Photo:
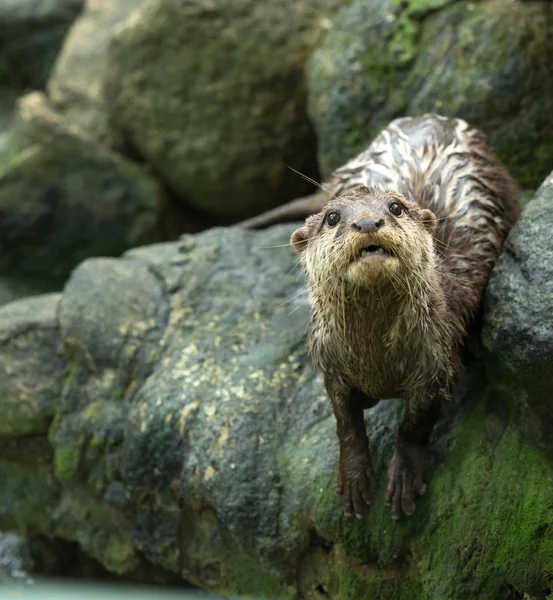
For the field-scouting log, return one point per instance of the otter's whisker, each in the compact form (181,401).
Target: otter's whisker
(295,309)
(291,270)
(292,298)
(316,183)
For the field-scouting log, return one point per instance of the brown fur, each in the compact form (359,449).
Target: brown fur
(394,328)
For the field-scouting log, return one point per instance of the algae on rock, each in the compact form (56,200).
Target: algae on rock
(487,62)
(191,431)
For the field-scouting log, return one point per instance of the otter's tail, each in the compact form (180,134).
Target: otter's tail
(295,210)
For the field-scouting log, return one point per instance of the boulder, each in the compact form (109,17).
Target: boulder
(487,62)
(519,319)
(63,198)
(217,104)
(8,98)
(190,431)
(76,83)
(31,35)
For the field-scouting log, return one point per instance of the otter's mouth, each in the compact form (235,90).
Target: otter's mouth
(372,253)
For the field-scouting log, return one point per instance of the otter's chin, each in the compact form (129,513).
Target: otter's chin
(372,268)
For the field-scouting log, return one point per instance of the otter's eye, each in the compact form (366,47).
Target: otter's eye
(396,209)
(332,219)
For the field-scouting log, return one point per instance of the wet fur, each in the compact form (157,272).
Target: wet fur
(401,334)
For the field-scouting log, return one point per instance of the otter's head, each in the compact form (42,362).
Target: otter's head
(365,238)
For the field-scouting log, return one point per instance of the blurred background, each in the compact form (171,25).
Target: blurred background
(127,122)
(124,122)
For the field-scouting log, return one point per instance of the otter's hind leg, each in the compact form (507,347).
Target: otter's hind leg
(406,472)
(354,467)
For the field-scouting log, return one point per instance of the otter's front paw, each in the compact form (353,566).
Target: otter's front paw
(354,483)
(405,479)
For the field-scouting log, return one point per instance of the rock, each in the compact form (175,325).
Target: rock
(80,199)
(14,558)
(217,104)
(486,62)
(31,35)
(192,432)
(519,323)
(76,83)
(8,98)
(31,365)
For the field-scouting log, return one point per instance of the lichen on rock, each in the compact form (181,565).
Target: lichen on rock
(189,430)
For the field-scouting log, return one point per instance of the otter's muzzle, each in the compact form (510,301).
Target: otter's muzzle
(368,224)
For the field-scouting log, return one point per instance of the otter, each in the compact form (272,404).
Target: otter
(396,263)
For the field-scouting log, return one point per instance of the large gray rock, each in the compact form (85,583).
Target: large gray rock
(213,95)
(191,432)
(519,319)
(63,198)
(487,62)
(76,83)
(31,35)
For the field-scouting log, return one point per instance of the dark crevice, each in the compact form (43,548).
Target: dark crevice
(318,541)
(322,591)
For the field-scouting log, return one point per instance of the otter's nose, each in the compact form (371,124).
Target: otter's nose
(368,224)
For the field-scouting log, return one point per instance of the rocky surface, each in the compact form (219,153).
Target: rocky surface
(79,198)
(190,431)
(76,85)
(14,559)
(217,105)
(488,62)
(31,35)
(8,99)
(519,323)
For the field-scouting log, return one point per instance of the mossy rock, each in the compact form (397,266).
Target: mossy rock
(191,431)
(518,331)
(487,62)
(63,197)
(76,82)
(217,105)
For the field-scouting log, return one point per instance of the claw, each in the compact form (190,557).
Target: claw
(405,480)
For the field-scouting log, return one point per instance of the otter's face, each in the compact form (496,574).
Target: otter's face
(365,238)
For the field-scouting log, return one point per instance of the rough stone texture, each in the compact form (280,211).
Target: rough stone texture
(519,323)
(31,35)
(29,385)
(489,62)
(64,198)
(76,83)
(191,432)
(217,104)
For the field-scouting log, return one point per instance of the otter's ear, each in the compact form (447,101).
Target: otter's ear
(299,239)
(428,219)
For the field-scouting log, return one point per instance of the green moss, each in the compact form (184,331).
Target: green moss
(377,536)
(404,39)
(118,555)
(67,459)
(93,411)
(368,584)
(492,515)
(244,575)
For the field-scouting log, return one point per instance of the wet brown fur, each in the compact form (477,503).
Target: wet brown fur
(395,328)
